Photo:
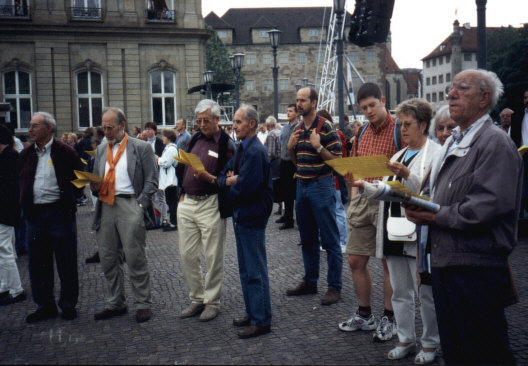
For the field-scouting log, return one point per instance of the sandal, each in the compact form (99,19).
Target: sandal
(423,357)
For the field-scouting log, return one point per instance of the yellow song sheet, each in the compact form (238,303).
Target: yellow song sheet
(189,159)
(90,152)
(84,161)
(396,184)
(523,149)
(84,178)
(361,166)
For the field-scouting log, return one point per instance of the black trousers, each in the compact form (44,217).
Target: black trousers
(51,233)
(470,304)
(171,197)
(287,188)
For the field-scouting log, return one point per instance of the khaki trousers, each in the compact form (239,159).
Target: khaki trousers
(122,231)
(200,227)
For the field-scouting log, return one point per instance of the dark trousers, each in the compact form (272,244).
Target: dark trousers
(51,233)
(171,197)
(253,269)
(470,305)
(287,188)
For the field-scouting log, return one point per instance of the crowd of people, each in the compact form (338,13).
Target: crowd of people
(455,260)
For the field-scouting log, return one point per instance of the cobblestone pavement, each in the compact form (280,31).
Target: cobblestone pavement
(304,332)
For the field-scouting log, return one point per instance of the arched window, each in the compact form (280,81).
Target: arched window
(89,98)
(163,95)
(17,92)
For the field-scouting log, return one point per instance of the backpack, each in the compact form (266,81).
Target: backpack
(320,123)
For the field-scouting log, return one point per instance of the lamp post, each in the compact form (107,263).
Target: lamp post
(274,35)
(339,9)
(208,77)
(481,34)
(237,61)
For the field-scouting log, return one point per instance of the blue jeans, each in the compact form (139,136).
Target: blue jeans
(50,233)
(315,206)
(341,219)
(253,269)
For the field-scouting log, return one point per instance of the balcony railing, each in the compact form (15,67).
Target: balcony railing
(14,11)
(86,13)
(160,15)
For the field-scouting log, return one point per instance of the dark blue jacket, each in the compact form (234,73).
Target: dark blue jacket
(252,195)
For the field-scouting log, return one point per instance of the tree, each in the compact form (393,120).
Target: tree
(507,57)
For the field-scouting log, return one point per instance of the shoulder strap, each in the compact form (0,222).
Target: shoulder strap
(397,134)
(320,124)
(361,132)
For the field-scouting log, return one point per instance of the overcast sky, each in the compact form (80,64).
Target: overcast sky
(418,26)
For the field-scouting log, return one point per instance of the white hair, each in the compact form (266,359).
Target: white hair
(441,116)
(489,81)
(208,104)
(48,119)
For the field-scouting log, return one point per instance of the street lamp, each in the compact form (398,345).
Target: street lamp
(274,35)
(339,9)
(237,61)
(208,77)
(481,34)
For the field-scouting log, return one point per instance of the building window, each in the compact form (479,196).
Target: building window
(440,79)
(434,61)
(354,56)
(222,34)
(263,34)
(160,10)
(284,84)
(434,80)
(427,81)
(301,58)
(448,59)
(250,59)
(89,98)
(371,56)
(313,32)
(448,77)
(467,56)
(319,56)
(267,85)
(266,58)
(86,9)
(428,97)
(14,8)
(434,98)
(427,63)
(250,85)
(283,57)
(283,108)
(17,92)
(440,96)
(163,93)
(441,60)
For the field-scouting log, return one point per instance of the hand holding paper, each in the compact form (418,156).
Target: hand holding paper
(189,159)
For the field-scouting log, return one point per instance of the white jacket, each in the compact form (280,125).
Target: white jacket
(167,165)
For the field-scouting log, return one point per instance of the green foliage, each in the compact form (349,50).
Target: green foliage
(508,58)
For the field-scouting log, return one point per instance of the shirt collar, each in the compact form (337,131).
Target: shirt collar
(384,124)
(216,136)
(46,147)
(245,142)
(467,135)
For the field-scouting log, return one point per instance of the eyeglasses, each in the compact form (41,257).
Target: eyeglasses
(199,121)
(404,125)
(459,87)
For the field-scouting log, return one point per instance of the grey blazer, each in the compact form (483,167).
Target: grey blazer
(142,170)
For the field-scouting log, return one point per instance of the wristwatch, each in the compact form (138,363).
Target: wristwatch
(319,149)
(213,181)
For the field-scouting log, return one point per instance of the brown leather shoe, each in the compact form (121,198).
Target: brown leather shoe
(109,313)
(142,315)
(254,331)
(331,297)
(302,289)
(241,322)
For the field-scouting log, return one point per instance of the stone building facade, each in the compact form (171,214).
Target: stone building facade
(300,55)
(74,57)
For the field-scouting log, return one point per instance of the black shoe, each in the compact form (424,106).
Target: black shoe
(108,313)
(69,314)
(286,226)
(302,289)
(7,298)
(170,227)
(282,220)
(42,314)
(241,322)
(254,331)
(93,259)
(143,315)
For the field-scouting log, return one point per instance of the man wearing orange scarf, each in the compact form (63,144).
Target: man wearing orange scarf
(130,179)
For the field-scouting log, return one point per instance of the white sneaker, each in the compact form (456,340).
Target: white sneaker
(385,331)
(357,322)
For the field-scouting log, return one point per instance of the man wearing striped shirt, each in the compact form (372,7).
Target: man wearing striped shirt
(313,142)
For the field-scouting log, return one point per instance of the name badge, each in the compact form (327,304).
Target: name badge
(213,154)
(50,163)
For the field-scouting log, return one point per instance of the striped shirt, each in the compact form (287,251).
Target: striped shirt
(377,141)
(309,163)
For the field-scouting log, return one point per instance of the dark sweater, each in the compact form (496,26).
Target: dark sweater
(10,212)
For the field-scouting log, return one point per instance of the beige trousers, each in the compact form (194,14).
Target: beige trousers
(200,227)
(122,231)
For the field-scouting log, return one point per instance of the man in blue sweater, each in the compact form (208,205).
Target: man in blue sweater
(250,194)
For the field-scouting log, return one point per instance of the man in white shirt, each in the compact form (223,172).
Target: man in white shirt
(505,120)
(262,133)
(130,179)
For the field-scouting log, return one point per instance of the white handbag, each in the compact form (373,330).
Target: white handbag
(400,229)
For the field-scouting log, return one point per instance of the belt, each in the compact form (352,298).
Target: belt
(200,197)
(126,195)
(310,180)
